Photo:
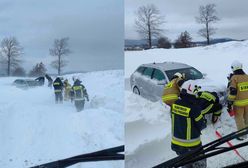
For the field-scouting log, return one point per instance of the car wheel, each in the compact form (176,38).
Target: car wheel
(136,90)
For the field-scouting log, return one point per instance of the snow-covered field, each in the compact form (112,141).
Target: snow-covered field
(148,125)
(34,130)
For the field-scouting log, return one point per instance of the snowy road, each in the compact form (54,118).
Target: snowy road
(35,130)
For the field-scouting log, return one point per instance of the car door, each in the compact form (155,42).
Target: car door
(159,81)
(147,83)
(136,78)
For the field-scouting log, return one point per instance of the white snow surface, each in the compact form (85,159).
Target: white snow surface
(34,130)
(148,125)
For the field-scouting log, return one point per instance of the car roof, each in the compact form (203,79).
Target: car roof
(26,80)
(166,66)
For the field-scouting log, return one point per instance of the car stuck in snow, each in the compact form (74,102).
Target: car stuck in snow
(150,79)
(27,83)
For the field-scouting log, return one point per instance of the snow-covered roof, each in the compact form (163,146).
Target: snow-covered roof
(165,66)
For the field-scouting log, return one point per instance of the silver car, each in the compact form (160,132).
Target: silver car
(29,83)
(149,79)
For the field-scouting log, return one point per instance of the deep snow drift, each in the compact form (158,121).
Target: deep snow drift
(34,130)
(148,124)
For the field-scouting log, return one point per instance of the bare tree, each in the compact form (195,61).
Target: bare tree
(59,50)
(10,52)
(207,16)
(148,23)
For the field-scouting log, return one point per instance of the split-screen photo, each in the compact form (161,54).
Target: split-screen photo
(123,84)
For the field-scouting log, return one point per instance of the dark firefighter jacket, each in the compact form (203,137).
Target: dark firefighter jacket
(58,85)
(79,91)
(209,101)
(238,89)
(187,122)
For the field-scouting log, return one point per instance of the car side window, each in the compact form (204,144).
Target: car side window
(148,72)
(158,75)
(20,82)
(141,69)
(195,74)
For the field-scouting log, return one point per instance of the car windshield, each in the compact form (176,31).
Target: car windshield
(190,73)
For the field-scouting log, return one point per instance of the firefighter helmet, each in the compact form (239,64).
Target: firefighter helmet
(190,88)
(180,75)
(236,65)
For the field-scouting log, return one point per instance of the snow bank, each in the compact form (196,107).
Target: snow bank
(148,124)
(139,118)
(34,130)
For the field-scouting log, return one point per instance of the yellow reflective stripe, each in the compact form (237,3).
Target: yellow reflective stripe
(169,85)
(78,99)
(56,91)
(207,109)
(56,83)
(170,97)
(207,96)
(185,144)
(243,86)
(77,87)
(241,102)
(231,97)
(198,118)
(217,112)
(173,120)
(188,129)
(180,110)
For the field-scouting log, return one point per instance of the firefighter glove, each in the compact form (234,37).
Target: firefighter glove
(229,106)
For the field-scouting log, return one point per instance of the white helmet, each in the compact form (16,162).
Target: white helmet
(179,75)
(236,65)
(190,88)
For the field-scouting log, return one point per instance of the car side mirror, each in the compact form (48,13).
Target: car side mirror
(161,82)
(204,75)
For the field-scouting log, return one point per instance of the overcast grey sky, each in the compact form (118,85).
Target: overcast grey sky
(95,29)
(180,16)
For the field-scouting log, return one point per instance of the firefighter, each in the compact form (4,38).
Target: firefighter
(238,96)
(80,93)
(58,89)
(67,90)
(50,80)
(172,89)
(187,123)
(210,104)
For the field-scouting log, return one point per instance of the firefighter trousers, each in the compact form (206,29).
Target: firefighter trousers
(241,116)
(183,150)
(58,97)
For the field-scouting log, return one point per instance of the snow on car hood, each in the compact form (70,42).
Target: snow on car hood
(208,85)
